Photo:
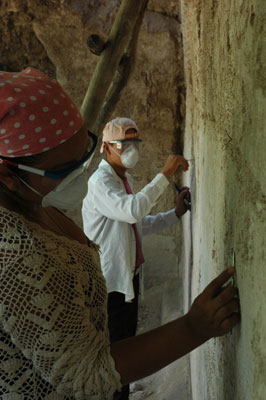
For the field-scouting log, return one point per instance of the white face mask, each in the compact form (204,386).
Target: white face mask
(68,193)
(129,157)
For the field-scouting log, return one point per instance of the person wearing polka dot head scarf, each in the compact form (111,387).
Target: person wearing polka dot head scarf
(51,280)
(37,116)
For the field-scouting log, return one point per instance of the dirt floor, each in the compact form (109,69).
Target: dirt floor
(172,382)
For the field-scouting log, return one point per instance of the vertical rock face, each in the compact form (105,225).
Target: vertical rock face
(225,64)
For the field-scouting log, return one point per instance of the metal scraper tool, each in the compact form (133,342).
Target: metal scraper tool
(234,265)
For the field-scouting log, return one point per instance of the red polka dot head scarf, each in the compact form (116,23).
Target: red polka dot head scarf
(36,114)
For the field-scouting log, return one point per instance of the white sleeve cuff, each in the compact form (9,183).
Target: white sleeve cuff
(161,180)
(170,217)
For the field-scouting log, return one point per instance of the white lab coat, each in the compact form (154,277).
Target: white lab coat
(108,212)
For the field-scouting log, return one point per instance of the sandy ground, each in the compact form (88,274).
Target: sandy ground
(172,382)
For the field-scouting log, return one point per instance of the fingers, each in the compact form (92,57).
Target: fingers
(184,194)
(172,163)
(227,310)
(180,161)
(224,297)
(184,164)
(217,310)
(229,323)
(186,189)
(215,287)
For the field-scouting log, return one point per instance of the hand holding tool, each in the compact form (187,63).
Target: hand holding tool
(186,201)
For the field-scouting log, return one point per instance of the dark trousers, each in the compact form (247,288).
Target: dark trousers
(122,322)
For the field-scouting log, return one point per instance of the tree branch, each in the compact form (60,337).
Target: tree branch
(113,63)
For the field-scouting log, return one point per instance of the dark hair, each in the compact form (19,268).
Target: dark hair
(27,160)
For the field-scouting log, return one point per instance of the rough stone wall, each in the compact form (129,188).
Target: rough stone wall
(225,64)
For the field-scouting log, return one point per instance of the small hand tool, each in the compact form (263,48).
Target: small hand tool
(234,265)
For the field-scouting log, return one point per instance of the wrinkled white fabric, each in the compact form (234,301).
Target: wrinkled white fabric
(54,339)
(108,212)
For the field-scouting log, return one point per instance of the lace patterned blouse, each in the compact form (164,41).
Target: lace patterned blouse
(54,339)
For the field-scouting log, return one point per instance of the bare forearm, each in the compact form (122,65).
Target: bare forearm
(145,354)
(213,313)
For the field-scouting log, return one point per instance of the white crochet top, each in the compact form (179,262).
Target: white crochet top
(53,324)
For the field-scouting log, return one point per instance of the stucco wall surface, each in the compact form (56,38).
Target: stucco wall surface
(225,65)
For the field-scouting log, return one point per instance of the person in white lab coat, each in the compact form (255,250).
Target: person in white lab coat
(115,218)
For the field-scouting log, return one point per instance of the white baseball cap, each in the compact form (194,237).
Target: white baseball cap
(116,130)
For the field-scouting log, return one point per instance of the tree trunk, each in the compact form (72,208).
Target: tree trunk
(118,44)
